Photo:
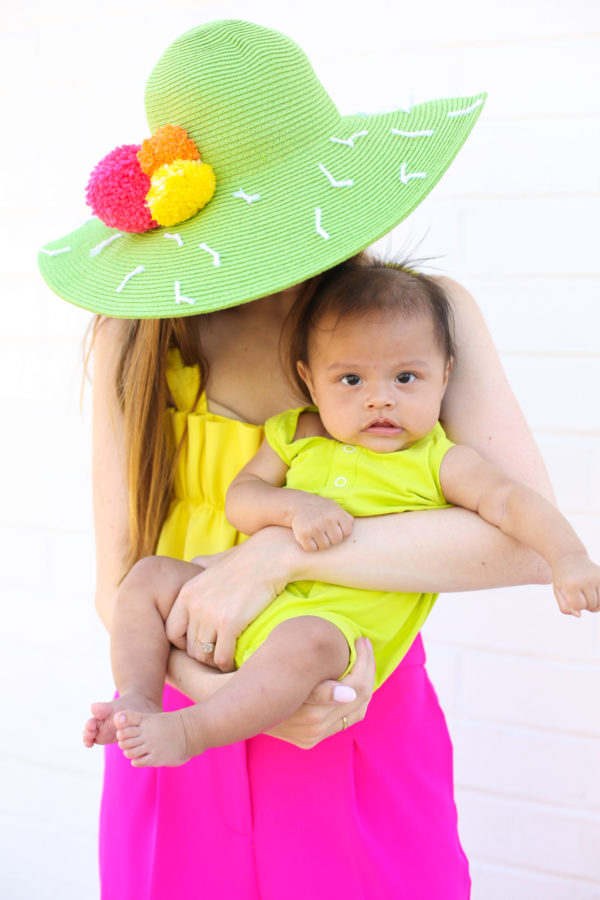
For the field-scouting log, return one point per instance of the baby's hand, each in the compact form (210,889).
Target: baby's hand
(318,523)
(576,584)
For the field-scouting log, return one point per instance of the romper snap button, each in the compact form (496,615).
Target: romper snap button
(340,481)
(348,448)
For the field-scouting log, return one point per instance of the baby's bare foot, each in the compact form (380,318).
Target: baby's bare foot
(100,729)
(157,739)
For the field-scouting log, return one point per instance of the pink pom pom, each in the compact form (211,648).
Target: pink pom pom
(117,188)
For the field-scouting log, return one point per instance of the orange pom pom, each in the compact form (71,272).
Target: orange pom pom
(168,143)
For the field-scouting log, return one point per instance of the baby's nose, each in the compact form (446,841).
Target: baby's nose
(380,399)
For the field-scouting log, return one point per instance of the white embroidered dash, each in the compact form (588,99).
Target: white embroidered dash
(320,229)
(55,252)
(349,141)
(465,112)
(136,271)
(216,256)
(412,134)
(333,182)
(405,176)
(179,298)
(249,198)
(175,237)
(100,247)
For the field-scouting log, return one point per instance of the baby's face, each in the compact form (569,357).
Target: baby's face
(378,380)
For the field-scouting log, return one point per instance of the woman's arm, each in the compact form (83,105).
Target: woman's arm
(479,407)
(111,526)
(422,552)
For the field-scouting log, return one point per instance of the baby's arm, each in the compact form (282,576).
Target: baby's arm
(257,498)
(469,481)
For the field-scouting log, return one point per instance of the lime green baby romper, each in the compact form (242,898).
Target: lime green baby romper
(364,483)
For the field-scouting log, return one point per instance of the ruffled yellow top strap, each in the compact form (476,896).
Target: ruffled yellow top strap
(213,452)
(184,384)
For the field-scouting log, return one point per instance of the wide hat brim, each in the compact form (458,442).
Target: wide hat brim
(272,229)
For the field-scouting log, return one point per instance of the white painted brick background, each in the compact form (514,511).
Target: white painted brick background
(515,219)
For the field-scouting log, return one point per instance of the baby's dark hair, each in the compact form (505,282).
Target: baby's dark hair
(360,286)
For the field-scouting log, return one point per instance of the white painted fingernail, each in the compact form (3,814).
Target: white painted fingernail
(344,694)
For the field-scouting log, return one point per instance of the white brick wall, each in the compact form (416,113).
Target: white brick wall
(515,219)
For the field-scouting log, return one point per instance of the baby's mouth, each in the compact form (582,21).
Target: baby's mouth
(383,426)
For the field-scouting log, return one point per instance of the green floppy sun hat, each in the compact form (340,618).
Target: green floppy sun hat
(299,188)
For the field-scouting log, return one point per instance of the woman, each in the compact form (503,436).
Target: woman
(369,812)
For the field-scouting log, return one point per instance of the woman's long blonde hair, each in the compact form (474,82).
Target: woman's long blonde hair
(144,397)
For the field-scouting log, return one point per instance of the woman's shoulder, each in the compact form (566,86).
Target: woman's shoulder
(108,337)
(457,293)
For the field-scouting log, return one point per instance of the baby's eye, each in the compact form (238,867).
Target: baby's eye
(405,377)
(351,380)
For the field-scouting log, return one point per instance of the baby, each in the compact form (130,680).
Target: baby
(372,347)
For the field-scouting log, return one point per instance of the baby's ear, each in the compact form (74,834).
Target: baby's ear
(449,365)
(304,373)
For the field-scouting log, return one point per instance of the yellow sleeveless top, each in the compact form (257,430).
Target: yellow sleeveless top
(214,452)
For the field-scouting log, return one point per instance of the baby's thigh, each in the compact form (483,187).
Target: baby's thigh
(297,601)
(156,581)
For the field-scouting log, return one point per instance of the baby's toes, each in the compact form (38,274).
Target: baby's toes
(130,743)
(126,718)
(90,732)
(128,724)
(132,733)
(136,752)
(102,711)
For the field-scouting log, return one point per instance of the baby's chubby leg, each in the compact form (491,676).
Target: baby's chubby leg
(272,684)
(139,645)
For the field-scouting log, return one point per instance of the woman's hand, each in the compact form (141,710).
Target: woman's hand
(234,588)
(331,703)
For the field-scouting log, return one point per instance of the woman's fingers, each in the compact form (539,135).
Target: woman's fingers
(225,651)
(362,679)
(234,587)
(176,624)
(184,627)
(207,561)
(362,675)
(332,692)
(356,686)
(202,649)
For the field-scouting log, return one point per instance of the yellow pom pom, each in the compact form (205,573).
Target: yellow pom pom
(179,189)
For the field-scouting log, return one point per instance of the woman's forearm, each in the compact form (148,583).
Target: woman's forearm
(430,551)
